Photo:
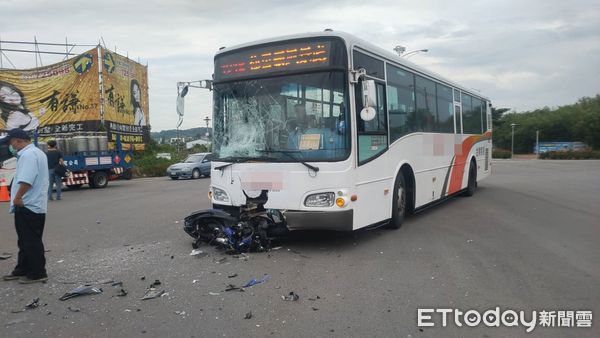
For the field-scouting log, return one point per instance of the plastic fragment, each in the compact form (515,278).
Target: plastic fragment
(122,293)
(248,315)
(198,252)
(31,305)
(214,293)
(74,309)
(155,283)
(5,255)
(81,291)
(152,293)
(291,297)
(231,287)
(232,275)
(253,281)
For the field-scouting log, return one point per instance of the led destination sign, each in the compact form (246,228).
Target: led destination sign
(286,57)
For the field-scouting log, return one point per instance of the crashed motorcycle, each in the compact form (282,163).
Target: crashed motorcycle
(251,231)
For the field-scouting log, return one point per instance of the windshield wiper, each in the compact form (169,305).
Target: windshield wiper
(289,153)
(239,159)
(233,159)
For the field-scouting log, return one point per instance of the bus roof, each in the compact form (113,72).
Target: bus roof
(353,41)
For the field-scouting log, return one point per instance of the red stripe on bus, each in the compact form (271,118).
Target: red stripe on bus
(460,161)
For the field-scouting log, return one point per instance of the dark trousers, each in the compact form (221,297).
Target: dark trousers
(30,228)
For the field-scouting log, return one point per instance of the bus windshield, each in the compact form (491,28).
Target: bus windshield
(283,119)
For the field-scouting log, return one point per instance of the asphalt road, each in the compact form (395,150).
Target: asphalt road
(527,240)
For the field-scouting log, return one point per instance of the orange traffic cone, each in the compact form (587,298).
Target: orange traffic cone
(4,196)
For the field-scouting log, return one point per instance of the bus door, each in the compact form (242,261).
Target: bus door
(458,137)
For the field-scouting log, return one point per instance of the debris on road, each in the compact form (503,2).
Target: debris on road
(232,275)
(291,297)
(31,305)
(152,293)
(155,283)
(248,315)
(232,287)
(221,260)
(181,313)
(81,291)
(252,231)
(198,253)
(117,284)
(315,298)
(74,309)
(253,281)
(5,255)
(122,293)
(214,293)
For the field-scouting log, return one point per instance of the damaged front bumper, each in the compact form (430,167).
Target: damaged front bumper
(319,220)
(339,220)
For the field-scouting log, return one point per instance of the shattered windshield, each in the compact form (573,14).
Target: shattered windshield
(289,118)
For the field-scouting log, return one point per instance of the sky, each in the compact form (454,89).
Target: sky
(522,54)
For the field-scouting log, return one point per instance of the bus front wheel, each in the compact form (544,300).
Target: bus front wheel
(472,184)
(399,202)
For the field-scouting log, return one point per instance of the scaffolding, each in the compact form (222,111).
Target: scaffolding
(55,50)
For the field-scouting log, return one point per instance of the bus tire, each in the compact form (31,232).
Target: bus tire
(398,203)
(472,183)
(99,179)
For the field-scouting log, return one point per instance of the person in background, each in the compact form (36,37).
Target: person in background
(55,158)
(28,201)
(296,125)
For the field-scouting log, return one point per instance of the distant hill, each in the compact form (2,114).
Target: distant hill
(194,133)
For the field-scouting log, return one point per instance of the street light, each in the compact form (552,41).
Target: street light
(411,53)
(512,142)
(400,50)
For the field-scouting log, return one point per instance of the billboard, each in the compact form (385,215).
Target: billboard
(59,98)
(125,99)
(73,96)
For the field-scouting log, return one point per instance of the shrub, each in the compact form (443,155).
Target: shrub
(571,155)
(500,153)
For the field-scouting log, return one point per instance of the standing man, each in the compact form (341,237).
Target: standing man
(55,158)
(29,203)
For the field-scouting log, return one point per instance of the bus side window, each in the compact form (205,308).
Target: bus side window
(372,135)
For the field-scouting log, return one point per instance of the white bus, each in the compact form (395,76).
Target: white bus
(341,133)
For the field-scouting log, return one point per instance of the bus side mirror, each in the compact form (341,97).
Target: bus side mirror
(368,97)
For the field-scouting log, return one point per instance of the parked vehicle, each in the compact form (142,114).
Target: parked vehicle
(94,168)
(194,166)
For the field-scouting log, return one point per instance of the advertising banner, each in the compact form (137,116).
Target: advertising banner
(66,97)
(125,100)
(58,98)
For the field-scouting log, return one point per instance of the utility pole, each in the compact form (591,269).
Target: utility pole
(537,144)
(207,119)
(512,141)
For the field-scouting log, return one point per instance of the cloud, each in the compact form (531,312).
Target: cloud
(523,54)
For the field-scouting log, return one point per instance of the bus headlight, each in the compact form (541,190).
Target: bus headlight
(220,195)
(322,199)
